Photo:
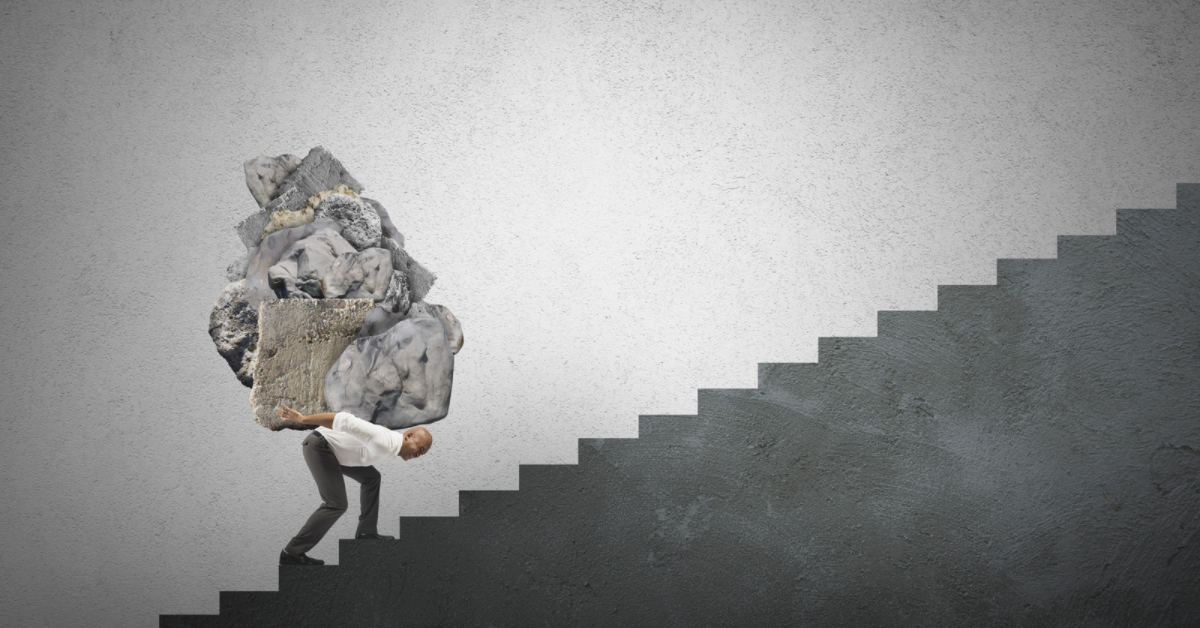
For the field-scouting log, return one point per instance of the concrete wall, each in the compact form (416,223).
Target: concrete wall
(624,203)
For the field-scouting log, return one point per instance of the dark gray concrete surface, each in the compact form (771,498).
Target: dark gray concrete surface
(1026,455)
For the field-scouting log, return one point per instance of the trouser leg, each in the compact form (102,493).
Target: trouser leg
(368,497)
(327,473)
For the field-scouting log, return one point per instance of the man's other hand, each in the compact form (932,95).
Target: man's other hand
(288,414)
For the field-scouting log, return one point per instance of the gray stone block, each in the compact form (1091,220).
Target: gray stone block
(233,327)
(299,340)
(397,379)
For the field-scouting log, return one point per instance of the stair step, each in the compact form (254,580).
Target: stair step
(1187,196)
(296,578)
(189,621)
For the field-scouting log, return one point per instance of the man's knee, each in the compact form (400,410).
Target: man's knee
(371,477)
(338,506)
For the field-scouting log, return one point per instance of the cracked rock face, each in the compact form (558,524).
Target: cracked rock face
(233,327)
(325,266)
(360,224)
(397,379)
(299,340)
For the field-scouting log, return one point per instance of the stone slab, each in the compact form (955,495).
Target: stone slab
(298,341)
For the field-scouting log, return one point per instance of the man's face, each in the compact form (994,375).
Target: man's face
(416,443)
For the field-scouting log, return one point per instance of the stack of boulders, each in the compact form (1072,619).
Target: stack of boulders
(326,310)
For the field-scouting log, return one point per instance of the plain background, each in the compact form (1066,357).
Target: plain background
(623,201)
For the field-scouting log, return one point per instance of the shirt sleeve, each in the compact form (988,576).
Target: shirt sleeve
(366,431)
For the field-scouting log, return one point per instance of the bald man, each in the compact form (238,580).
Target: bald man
(344,444)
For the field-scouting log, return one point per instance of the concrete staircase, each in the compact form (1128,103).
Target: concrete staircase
(1026,455)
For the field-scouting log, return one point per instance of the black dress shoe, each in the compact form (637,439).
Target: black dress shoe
(373,536)
(303,559)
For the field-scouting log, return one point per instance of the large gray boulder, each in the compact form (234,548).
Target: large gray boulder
(397,379)
(380,320)
(233,327)
(360,223)
(264,175)
(325,266)
(258,286)
(317,172)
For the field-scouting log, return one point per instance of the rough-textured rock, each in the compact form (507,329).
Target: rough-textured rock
(285,219)
(237,268)
(273,247)
(396,299)
(385,221)
(233,327)
(317,172)
(299,340)
(420,280)
(264,174)
(397,379)
(380,319)
(360,224)
(325,266)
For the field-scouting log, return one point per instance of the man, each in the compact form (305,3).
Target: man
(344,444)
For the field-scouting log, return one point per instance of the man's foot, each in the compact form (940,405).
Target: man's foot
(287,559)
(373,536)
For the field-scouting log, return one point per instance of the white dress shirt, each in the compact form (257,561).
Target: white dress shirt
(359,443)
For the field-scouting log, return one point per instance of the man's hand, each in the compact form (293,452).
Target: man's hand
(288,414)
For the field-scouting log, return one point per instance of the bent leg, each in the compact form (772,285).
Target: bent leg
(368,497)
(327,474)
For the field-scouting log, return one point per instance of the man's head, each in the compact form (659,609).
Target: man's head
(417,441)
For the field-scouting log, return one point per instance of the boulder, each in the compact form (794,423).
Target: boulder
(285,219)
(258,287)
(380,320)
(299,341)
(325,266)
(420,280)
(233,327)
(385,221)
(360,224)
(396,379)
(264,174)
(318,171)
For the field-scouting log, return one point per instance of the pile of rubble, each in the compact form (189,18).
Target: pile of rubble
(326,310)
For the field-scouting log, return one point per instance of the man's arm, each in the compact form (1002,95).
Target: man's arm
(325,419)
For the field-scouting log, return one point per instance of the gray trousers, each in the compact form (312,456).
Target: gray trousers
(328,472)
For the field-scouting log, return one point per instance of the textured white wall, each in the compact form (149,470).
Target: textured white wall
(624,202)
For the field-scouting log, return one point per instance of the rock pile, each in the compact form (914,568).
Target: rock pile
(315,238)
